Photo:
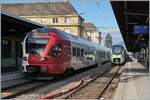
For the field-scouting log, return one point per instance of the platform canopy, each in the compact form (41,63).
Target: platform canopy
(14,26)
(133,21)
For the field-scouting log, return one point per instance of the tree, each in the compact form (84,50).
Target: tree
(108,41)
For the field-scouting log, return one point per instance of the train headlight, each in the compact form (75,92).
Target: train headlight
(43,59)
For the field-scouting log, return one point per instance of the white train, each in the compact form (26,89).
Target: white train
(119,55)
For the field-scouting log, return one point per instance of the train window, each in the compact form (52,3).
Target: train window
(103,54)
(108,54)
(93,52)
(35,45)
(85,52)
(117,49)
(78,52)
(99,54)
(82,52)
(56,50)
(74,52)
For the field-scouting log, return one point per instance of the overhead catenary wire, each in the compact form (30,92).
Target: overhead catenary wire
(107,20)
(104,15)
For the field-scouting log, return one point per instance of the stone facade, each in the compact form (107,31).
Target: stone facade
(92,33)
(60,15)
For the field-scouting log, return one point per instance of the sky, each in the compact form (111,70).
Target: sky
(99,12)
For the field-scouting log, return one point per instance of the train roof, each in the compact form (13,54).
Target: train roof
(76,39)
(79,40)
(82,41)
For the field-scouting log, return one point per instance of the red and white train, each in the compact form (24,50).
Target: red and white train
(51,51)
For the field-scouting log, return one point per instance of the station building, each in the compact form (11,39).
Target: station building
(92,33)
(61,15)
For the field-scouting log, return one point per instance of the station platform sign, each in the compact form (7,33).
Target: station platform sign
(141,29)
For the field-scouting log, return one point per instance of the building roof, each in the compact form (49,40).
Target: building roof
(90,27)
(11,16)
(44,8)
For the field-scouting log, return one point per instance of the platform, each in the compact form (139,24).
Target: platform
(12,78)
(134,83)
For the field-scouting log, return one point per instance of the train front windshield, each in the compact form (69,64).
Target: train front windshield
(117,49)
(35,45)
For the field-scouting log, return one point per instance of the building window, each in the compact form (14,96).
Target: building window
(6,48)
(43,21)
(67,20)
(55,20)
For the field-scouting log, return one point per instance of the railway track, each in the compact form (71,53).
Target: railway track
(37,93)
(35,89)
(13,91)
(23,88)
(94,88)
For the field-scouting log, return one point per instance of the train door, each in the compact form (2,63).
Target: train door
(66,55)
(91,55)
(78,54)
(74,54)
(86,54)
(99,56)
(102,56)
(74,59)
